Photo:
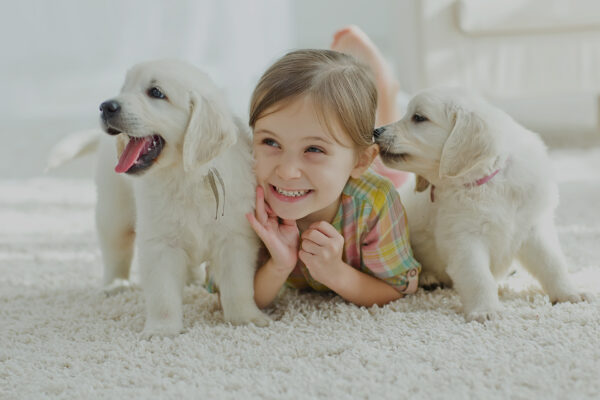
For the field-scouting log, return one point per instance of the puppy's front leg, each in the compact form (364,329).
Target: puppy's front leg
(469,269)
(115,224)
(163,275)
(542,256)
(234,266)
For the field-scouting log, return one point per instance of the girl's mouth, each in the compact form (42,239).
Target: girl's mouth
(289,195)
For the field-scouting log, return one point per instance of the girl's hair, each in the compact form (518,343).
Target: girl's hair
(337,84)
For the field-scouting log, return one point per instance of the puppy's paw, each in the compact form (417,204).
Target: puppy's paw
(572,297)
(116,286)
(160,330)
(246,315)
(261,320)
(483,311)
(590,298)
(481,315)
(429,281)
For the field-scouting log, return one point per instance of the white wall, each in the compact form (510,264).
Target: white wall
(537,59)
(65,56)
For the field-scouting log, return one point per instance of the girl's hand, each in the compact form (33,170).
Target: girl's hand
(321,251)
(280,238)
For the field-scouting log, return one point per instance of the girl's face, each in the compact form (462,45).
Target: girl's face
(300,165)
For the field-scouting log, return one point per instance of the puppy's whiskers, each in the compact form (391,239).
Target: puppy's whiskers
(388,147)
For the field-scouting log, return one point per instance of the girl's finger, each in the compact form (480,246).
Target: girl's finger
(257,226)
(269,210)
(261,214)
(325,228)
(288,222)
(305,257)
(316,236)
(310,247)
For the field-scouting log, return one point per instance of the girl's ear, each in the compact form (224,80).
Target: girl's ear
(365,158)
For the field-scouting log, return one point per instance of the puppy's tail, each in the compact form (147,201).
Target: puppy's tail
(73,146)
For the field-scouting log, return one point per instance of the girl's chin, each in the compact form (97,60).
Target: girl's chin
(290,214)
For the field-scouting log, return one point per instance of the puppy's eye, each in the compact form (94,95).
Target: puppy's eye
(419,118)
(156,93)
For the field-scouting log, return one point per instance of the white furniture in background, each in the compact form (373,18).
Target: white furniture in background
(537,59)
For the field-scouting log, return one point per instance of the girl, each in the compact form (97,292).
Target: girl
(327,222)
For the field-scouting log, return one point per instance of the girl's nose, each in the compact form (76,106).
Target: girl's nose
(288,169)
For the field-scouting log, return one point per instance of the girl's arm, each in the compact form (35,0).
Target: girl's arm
(268,281)
(360,288)
(281,239)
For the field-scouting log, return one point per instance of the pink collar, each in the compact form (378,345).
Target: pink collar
(483,180)
(478,182)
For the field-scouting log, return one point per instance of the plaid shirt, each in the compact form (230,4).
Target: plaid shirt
(372,221)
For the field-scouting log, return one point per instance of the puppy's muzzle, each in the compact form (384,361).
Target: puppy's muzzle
(378,132)
(109,110)
(385,140)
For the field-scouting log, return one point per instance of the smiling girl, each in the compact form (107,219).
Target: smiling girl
(328,222)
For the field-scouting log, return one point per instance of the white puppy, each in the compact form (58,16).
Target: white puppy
(491,198)
(178,183)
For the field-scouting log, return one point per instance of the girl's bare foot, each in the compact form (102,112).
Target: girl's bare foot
(352,40)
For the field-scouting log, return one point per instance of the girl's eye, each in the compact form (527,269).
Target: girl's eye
(313,149)
(156,93)
(419,118)
(270,142)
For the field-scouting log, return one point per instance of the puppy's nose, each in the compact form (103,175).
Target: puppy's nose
(110,107)
(377,132)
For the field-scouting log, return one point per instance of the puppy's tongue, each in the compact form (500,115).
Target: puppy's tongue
(132,152)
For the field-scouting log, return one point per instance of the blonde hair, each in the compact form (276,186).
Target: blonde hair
(337,84)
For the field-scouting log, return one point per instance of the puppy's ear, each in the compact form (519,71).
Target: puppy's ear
(469,145)
(421,184)
(210,130)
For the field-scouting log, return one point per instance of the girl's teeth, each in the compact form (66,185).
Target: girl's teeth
(291,194)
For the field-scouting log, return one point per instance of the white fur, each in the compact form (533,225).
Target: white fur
(170,210)
(469,235)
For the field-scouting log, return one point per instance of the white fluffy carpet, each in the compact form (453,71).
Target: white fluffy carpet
(60,337)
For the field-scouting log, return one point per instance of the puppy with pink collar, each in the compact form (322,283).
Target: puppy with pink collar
(484,196)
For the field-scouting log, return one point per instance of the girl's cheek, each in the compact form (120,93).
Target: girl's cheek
(264,151)
(259,155)
(319,159)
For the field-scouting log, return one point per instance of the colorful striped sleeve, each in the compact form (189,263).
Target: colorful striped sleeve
(385,247)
